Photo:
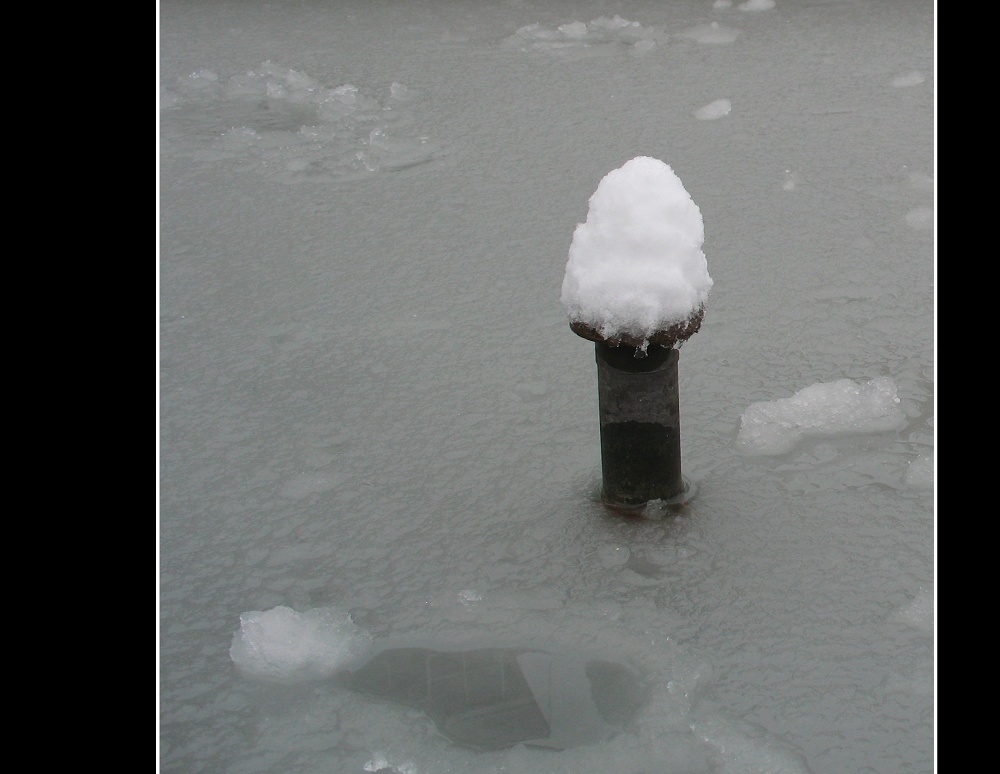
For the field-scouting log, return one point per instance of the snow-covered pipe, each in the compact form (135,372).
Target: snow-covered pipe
(636,284)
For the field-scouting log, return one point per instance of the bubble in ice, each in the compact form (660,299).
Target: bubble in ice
(284,645)
(831,408)
(756,5)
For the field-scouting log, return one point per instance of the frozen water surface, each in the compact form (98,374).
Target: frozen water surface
(376,425)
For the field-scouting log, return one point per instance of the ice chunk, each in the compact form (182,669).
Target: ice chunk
(285,645)
(831,408)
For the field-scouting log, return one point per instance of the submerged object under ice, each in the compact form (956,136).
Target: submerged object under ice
(494,698)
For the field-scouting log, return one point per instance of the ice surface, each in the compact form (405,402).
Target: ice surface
(920,217)
(919,612)
(920,472)
(831,408)
(745,749)
(346,416)
(636,266)
(285,645)
(913,78)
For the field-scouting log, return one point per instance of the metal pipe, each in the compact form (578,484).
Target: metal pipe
(640,423)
